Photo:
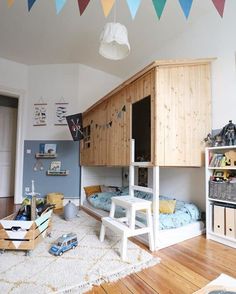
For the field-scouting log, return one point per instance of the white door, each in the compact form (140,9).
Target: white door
(8,128)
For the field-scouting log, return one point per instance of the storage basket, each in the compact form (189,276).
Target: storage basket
(222,191)
(55,198)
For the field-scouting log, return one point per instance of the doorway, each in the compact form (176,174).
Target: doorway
(8,136)
(141,129)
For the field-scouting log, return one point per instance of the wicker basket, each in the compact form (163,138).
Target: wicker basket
(55,198)
(222,191)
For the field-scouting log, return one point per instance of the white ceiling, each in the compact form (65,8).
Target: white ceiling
(42,37)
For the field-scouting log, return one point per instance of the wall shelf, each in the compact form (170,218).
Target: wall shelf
(57,173)
(45,155)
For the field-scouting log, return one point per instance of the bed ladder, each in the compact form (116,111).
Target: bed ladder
(154,190)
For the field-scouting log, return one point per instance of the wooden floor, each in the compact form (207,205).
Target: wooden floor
(184,268)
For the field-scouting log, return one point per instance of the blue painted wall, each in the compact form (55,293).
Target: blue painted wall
(68,154)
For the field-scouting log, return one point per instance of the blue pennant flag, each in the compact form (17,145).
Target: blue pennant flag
(59,5)
(133,6)
(30,4)
(186,6)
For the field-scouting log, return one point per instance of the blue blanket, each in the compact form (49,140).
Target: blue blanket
(184,214)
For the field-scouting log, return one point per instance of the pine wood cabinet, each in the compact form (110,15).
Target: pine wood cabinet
(180,116)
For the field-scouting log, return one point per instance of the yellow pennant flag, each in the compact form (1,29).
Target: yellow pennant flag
(107,6)
(10,3)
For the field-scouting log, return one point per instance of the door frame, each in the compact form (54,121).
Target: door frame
(20,135)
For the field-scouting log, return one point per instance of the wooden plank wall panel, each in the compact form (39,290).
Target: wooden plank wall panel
(183,107)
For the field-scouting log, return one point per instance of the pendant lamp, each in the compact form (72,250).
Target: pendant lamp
(114,43)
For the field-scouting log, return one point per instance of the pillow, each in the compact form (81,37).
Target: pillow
(109,188)
(89,190)
(167,206)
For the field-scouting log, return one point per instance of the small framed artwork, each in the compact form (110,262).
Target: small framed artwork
(61,111)
(40,114)
(220,174)
(55,166)
(50,148)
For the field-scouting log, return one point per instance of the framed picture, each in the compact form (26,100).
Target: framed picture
(55,166)
(40,114)
(220,174)
(61,109)
(50,148)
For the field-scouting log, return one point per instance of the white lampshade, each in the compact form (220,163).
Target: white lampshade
(114,41)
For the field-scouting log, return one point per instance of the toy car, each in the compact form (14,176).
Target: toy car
(64,243)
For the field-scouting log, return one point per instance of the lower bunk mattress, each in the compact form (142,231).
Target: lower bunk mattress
(184,212)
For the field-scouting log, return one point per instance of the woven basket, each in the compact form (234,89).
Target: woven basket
(222,191)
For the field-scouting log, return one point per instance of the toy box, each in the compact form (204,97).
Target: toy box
(24,235)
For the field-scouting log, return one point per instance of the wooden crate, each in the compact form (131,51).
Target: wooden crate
(24,235)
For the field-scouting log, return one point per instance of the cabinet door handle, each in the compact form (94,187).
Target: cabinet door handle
(230,229)
(218,226)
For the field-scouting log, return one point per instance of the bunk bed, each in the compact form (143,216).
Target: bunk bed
(166,109)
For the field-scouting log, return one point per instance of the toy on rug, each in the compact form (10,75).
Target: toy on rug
(64,243)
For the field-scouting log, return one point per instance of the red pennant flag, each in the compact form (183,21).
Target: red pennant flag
(219,5)
(82,5)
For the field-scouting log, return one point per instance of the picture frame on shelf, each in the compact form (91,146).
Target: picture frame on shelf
(50,149)
(55,166)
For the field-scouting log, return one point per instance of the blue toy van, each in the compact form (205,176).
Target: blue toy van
(64,243)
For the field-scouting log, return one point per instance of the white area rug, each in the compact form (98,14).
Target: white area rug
(219,286)
(76,271)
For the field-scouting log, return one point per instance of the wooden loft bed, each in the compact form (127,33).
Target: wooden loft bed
(179,114)
(166,108)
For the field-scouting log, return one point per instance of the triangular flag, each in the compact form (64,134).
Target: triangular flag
(59,5)
(186,6)
(30,4)
(133,6)
(219,5)
(10,3)
(159,6)
(107,6)
(82,5)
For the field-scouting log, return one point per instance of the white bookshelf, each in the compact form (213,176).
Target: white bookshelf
(211,228)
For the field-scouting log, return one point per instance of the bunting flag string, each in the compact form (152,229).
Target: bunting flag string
(10,3)
(107,6)
(133,6)
(83,5)
(186,6)
(219,5)
(59,5)
(30,4)
(159,6)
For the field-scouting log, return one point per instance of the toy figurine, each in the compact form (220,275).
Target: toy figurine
(228,134)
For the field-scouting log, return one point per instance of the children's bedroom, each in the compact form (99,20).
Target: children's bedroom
(118,146)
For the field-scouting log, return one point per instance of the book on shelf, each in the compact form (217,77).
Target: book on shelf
(217,160)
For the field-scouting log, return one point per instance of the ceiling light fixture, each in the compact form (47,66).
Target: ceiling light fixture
(114,43)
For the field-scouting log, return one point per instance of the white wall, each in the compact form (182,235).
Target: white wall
(79,85)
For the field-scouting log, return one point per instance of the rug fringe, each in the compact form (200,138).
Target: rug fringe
(86,286)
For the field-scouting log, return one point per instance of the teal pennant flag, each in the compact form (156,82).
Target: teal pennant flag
(30,4)
(159,6)
(133,6)
(59,5)
(186,6)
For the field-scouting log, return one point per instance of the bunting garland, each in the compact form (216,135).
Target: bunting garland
(59,5)
(30,4)
(107,6)
(82,5)
(219,5)
(159,6)
(133,6)
(186,6)
(10,3)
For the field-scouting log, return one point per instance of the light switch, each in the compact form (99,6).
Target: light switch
(28,151)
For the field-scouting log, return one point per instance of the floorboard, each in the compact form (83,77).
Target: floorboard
(184,268)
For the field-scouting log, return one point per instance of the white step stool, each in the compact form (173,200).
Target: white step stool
(126,226)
